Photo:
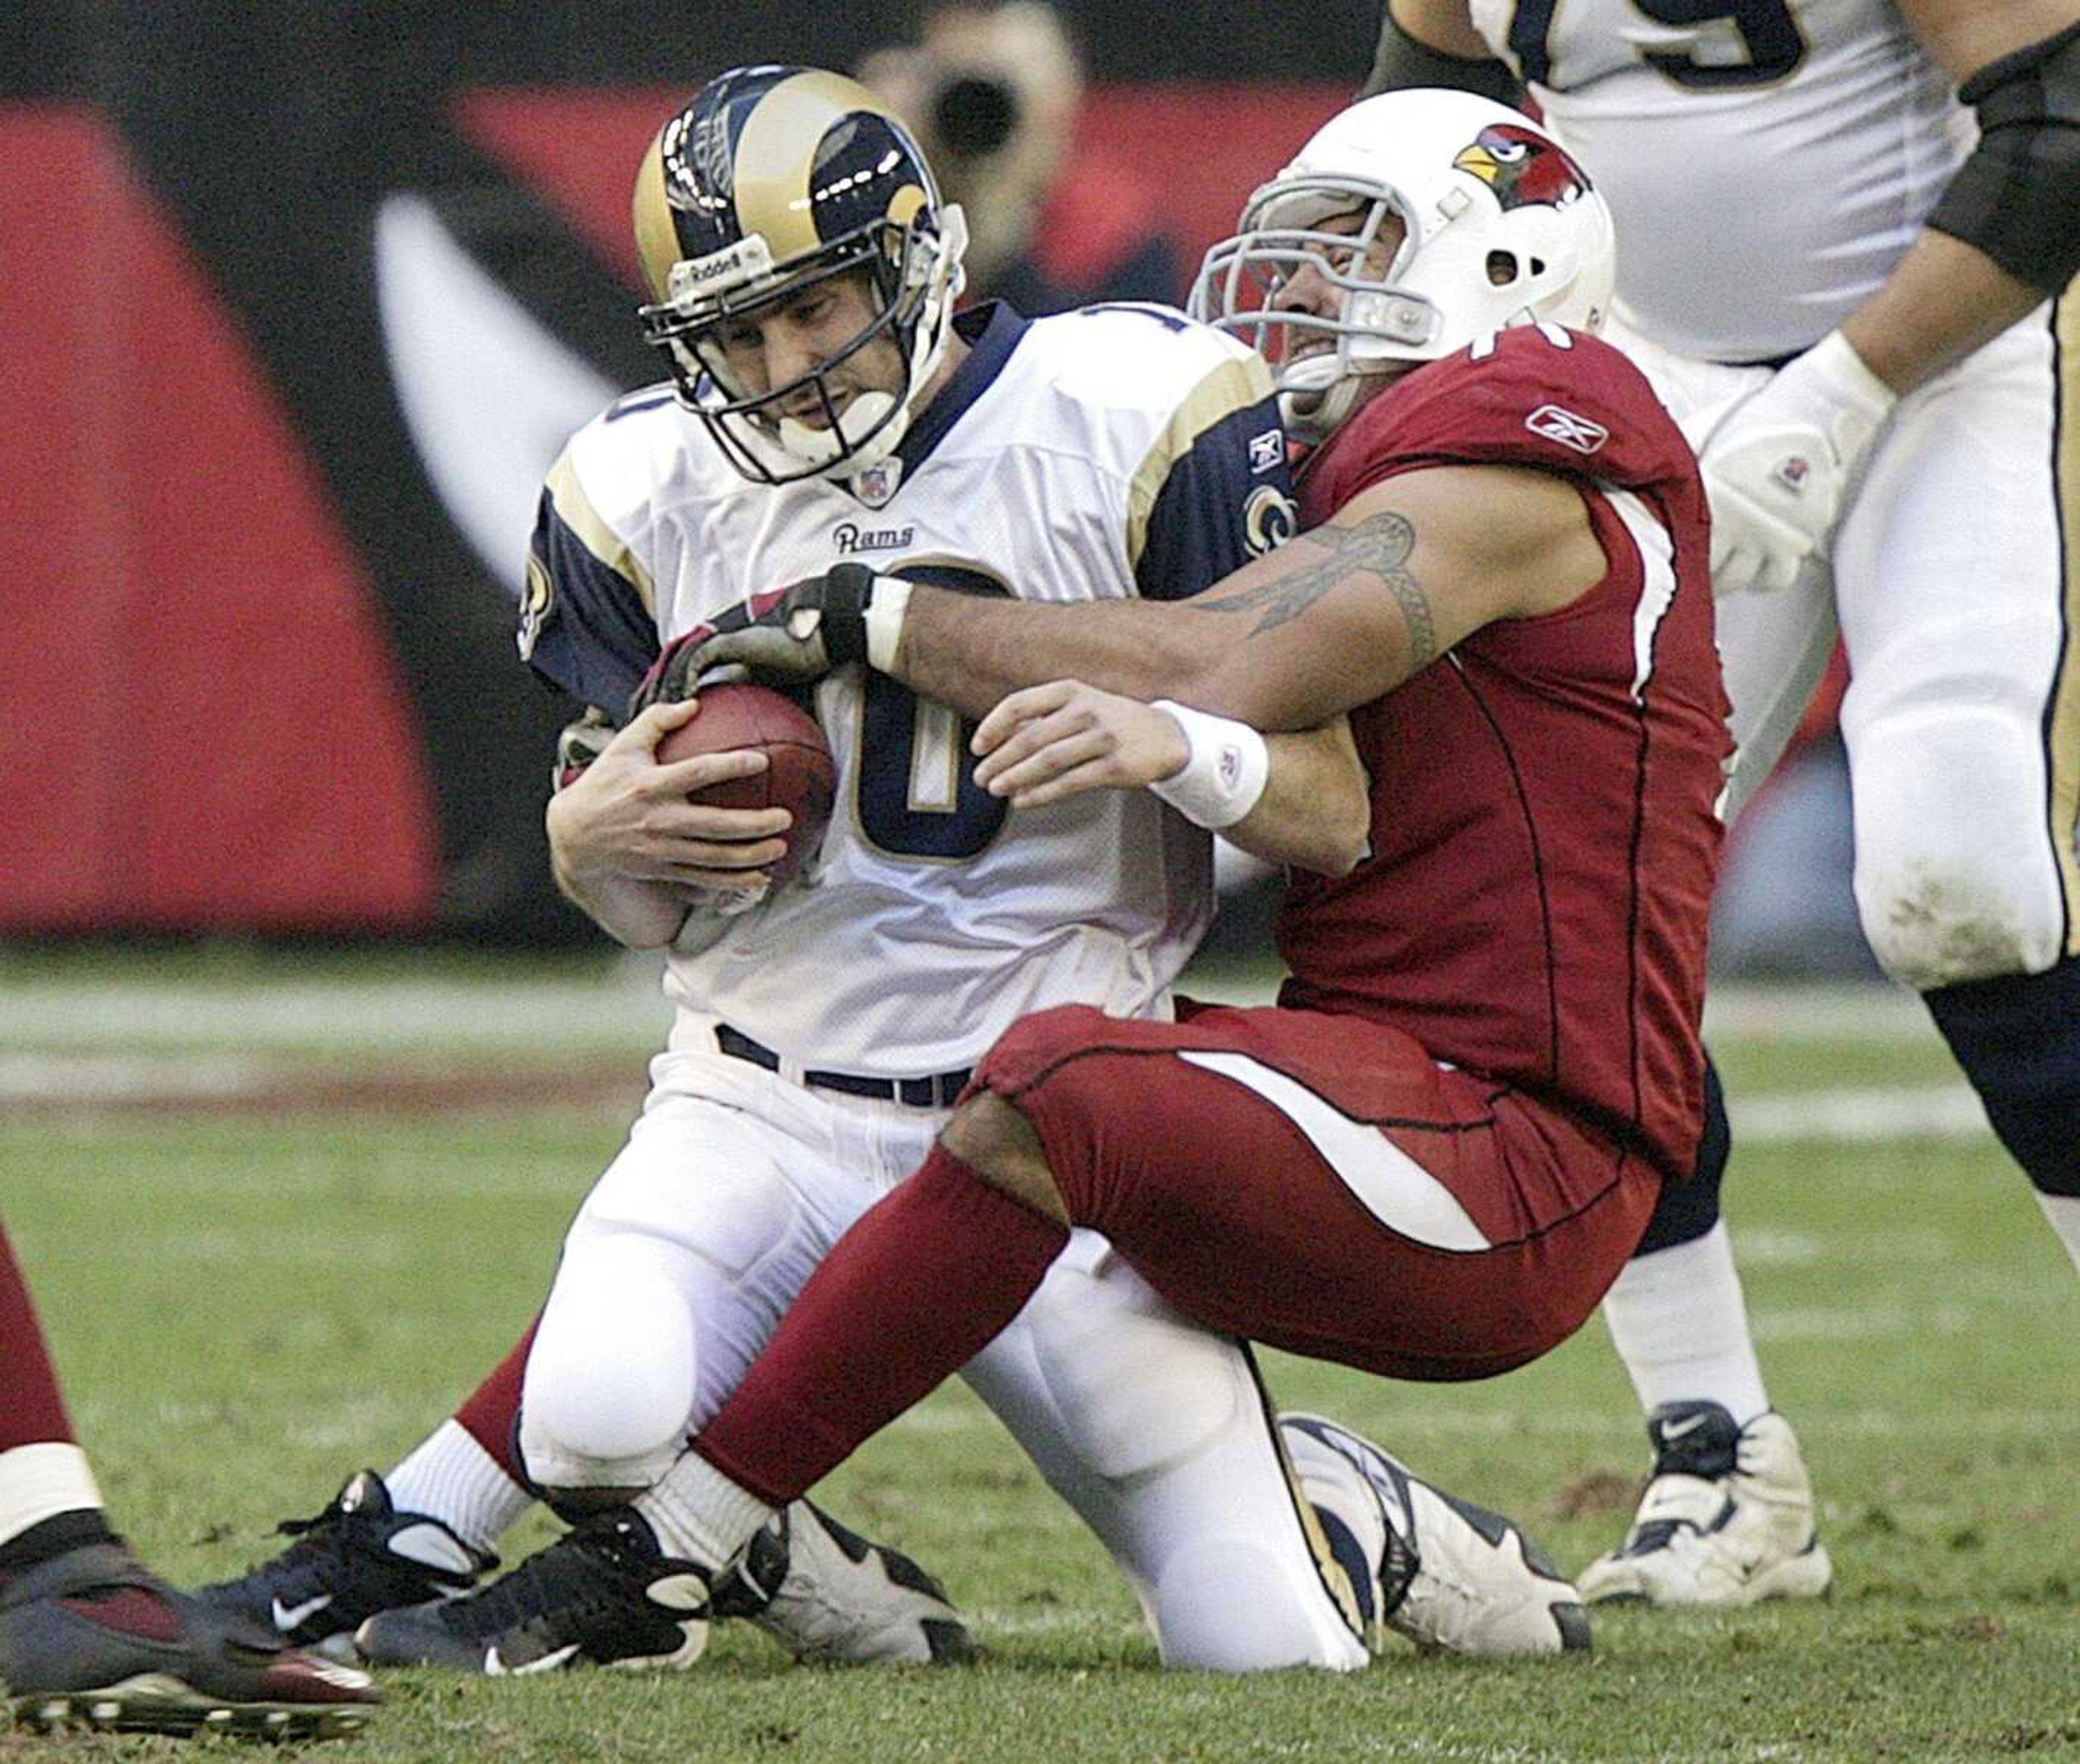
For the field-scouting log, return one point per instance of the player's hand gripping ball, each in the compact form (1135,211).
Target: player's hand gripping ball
(800,775)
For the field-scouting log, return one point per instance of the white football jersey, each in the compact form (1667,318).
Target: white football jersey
(1090,456)
(1766,161)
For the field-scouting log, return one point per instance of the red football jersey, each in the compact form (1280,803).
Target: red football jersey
(1545,829)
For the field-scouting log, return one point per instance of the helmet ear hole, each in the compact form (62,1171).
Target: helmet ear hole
(1501,269)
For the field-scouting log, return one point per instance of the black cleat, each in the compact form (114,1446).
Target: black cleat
(90,1639)
(602,1594)
(358,1557)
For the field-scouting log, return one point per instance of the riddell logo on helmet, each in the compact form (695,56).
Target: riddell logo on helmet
(748,260)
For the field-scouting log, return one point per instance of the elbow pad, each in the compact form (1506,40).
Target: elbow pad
(2017,198)
(1402,60)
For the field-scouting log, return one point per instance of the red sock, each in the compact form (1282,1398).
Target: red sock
(923,1282)
(31,1411)
(491,1416)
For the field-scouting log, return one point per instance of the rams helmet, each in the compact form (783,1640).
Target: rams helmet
(1500,225)
(771,179)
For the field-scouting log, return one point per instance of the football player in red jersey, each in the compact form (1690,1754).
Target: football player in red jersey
(1433,1155)
(87,1635)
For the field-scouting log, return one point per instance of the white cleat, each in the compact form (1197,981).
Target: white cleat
(1726,1519)
(829,1595)
(1447,1574)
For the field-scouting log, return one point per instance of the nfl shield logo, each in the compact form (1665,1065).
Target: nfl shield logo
(875,485)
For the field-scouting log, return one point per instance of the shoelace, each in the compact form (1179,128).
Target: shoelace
(593,1569)
(324,1542)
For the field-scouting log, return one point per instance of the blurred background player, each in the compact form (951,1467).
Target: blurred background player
(1839,286)
(990,92)
(1431,1158)
(87,1634)
(816,347)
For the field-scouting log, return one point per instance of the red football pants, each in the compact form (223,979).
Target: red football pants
(1319,1184)
(1313,1182)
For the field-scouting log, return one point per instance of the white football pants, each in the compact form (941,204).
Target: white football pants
(734,1184)
(1962,720)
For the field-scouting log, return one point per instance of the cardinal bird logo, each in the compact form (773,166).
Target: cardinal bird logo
(1522,167)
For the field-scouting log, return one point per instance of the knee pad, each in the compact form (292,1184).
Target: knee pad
(1687,1210)
(1956,880)
(610,1386)
(1233,1603)
(2017,1038)
(1104,1341)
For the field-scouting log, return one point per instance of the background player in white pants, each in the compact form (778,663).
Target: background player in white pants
(1118,452)
(1839,284)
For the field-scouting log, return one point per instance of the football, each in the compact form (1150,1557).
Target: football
(800,777)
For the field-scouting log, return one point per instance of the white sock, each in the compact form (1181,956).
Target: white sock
(1680,1324)
(2063,1210)
(39,1481)
(451,1477)
(698,1513)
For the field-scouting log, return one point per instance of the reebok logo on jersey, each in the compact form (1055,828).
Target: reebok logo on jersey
(1267,452)
(1569,430)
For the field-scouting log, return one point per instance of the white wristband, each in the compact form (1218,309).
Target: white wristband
(884,622)
(1226,768)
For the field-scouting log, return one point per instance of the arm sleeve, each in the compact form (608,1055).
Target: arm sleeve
(1403,61)
(2017,198)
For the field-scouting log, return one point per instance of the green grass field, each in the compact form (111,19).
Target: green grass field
(250,1297)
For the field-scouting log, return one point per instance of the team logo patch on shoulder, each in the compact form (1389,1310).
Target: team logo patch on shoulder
(1562,425)
(537,606)
(1269,518)
(1267,451)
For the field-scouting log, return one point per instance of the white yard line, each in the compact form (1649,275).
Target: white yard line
(622,1006)
(164,1070)
(1871,1012)
(120,1040)
(1858,1116)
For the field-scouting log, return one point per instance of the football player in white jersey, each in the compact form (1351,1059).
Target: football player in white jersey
(1846,229)
(827,404)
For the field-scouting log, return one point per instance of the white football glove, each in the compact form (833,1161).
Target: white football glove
(1777,465)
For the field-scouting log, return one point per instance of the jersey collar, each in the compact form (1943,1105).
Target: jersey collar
(991,332)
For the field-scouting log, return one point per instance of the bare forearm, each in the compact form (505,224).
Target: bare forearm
(641,914)
(1943,300)
(970,652)
(1315,812)
(1288,641)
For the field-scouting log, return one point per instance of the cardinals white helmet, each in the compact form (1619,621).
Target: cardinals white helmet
(1497,225)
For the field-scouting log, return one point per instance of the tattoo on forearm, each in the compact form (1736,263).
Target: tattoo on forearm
(1380,545)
